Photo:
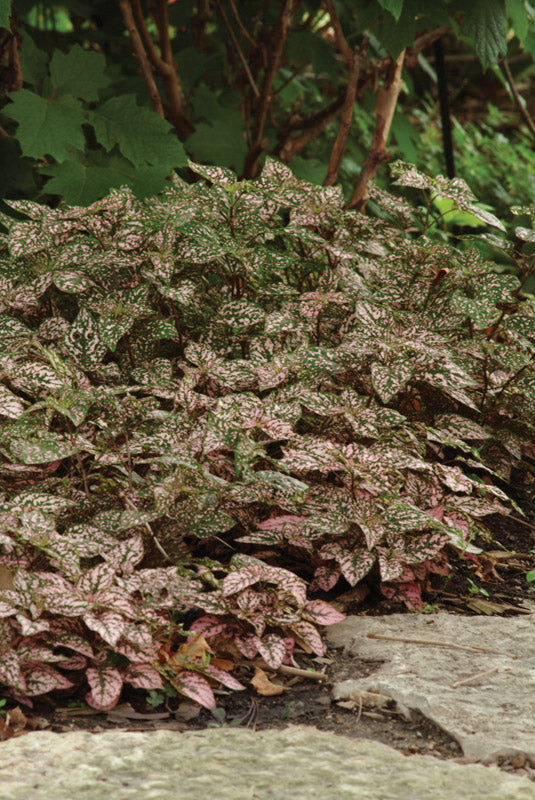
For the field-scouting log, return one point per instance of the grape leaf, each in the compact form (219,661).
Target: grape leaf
(141,134)
(305,48)
(33,61)
(221,124)
(50,126)
(79,73)
(83,179)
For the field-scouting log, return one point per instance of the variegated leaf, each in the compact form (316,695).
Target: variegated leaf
(106,685)
(10,405)
(194,686)
(108,625)
(272,648)
(406,593)
(389,379)
(224,678)
(309,634)
(322,613)
(142,676)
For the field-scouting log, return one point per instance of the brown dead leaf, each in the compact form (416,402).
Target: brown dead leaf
(367,699)
(125,711)
(17,718)
(6,731)
(263,685)
(223,663)
(352,598)
(15,723)
(187,711)
(350,705)
(302,644)
(189,651)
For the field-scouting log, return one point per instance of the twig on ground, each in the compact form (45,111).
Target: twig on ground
(453,645)
(313,675)
(473,677)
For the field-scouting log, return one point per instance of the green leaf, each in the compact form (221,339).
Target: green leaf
(47,126)
(221,138)
(80,73)
(222,142)
(516,11)
(309,169)
(33,61)
(486,24)
(394,6)
(142,135)
(305,48)
(397,33)
(84,179)
(5,13)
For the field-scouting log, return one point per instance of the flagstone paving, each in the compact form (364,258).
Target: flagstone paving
(473,676)
(298,763)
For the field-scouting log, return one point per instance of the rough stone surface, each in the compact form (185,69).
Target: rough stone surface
(492,716)
(299,763)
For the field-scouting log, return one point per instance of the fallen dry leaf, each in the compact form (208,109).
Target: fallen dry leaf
(263,685)
(192,651)
(223,663)
(15,723)
(369,699)
(6,731)
(125,711)
(187,711)
(350,599)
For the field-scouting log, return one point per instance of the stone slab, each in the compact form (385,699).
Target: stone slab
(298,763)
(492,716)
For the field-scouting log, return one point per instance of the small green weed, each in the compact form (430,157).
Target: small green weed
(473,588)
(292,709)
(220,719)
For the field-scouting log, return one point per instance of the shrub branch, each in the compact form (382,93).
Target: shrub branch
(387,97)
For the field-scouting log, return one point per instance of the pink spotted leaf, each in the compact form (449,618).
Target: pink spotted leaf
(106,685)
(322,613)
(41,678)
(142,676)
(194,686)
(272,648)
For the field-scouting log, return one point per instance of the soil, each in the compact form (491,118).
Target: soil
(493,584)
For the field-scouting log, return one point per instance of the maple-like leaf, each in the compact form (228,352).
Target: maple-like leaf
(47,126)
(120,121)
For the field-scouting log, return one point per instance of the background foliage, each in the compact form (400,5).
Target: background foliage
(86,108)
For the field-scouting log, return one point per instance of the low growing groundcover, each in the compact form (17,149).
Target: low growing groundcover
(223,406)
